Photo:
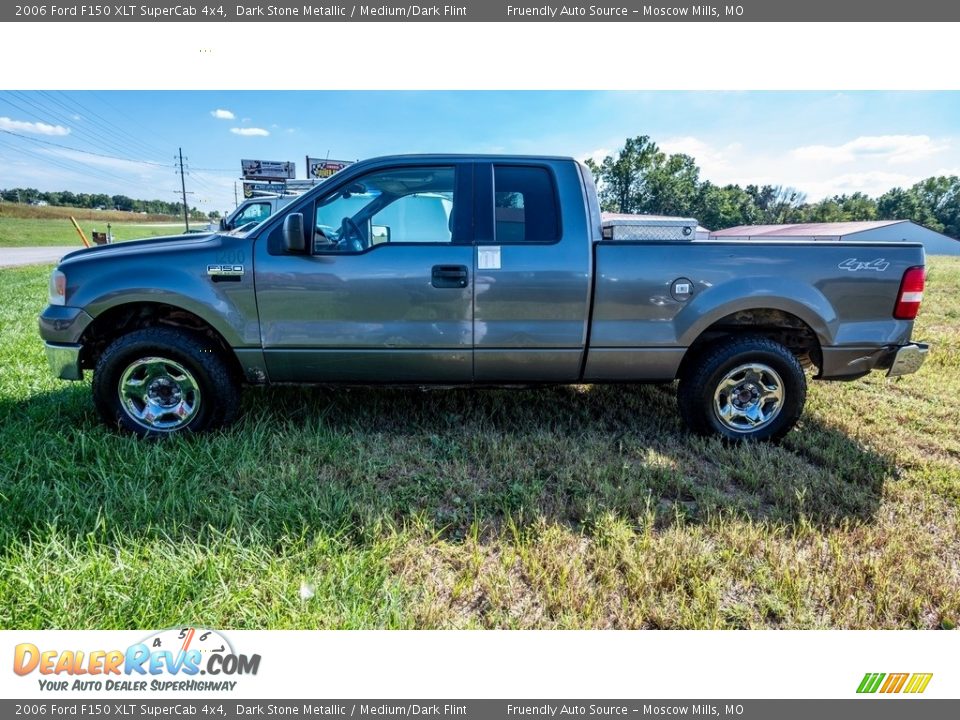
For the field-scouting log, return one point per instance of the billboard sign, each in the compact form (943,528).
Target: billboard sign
(267,170)
(322,169)
(263,188)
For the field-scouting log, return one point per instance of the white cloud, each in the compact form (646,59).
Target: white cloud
(221,114)
(35,128)
(596,155)
(873,183)
(892,149)
(711,160)
(868,164)
(250,132)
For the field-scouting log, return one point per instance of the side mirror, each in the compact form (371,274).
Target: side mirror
(379,234)
(294,241)
(223,223)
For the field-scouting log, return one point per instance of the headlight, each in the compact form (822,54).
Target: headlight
(58,288)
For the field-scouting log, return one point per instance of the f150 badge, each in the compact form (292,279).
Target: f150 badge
(854,265)
(232,270)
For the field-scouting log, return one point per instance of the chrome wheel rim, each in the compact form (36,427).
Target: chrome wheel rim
(748,397)
(159,394)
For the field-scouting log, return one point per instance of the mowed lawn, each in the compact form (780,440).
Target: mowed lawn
(38,232)
(569,507)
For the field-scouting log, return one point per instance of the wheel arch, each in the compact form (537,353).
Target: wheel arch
(774,323)
(789,311)
(123,318)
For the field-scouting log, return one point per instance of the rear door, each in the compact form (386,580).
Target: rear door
(386,292)
(533,272)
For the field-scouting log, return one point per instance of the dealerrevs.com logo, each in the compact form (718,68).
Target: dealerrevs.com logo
(893,683)
(171,660)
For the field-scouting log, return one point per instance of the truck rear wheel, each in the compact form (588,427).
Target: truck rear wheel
(159,381)
(743,388)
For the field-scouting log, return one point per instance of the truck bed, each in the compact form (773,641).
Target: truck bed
(640,329)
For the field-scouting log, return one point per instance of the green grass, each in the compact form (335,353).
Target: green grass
(29,232)
(563,507)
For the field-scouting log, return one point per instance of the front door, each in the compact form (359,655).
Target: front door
(384,293)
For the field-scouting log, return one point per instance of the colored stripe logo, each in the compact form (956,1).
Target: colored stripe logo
(913,683)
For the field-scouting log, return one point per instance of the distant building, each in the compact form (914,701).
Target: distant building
(867,231)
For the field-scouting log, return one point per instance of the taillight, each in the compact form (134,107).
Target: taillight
(911,294)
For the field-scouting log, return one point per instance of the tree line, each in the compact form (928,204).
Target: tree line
(93,201)
(641,178)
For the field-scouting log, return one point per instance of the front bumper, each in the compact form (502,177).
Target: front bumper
(64,360)
(908,359)
(63,324)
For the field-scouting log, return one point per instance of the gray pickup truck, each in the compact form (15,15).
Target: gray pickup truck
(476,270)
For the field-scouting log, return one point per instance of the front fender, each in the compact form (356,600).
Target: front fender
(227,307)
(172,271)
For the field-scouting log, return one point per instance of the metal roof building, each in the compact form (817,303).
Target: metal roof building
(867,231)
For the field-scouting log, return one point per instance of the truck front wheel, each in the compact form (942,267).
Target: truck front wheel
(158,381)
(743,388)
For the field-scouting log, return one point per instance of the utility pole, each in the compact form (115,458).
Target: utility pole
(183,189)
(235,201)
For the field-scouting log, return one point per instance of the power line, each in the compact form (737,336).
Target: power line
(85,134)
(85,152)
(118,148)
(75,166)
(136,141)
(118,111)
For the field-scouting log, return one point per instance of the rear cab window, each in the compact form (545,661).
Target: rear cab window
(525,204)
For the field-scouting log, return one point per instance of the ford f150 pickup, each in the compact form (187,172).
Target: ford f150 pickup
(476,270)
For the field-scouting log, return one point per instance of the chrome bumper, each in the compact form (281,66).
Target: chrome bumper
(64,361)
(908,359)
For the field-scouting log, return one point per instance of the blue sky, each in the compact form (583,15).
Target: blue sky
(819,142)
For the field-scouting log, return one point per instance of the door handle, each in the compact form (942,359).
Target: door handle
(449,276)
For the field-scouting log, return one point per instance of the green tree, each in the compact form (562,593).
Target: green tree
(900,204)
(777,203)
(672,186)
(122,202)
(622,180)
(858,206)
(941,196)
(724,207)
(827,210)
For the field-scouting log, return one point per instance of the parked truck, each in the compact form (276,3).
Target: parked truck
(264,203)
(459,270)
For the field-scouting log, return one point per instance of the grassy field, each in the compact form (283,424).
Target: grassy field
(46,231)
(50,212)
(557,508)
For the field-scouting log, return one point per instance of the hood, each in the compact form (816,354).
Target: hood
(137,247)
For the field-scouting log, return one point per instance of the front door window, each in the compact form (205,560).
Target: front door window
(396,206)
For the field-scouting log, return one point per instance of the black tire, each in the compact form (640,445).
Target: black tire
(190,384)
(746,395)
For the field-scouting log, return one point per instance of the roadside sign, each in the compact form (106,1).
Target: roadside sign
(268,169)
(324,168)
(258,188)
